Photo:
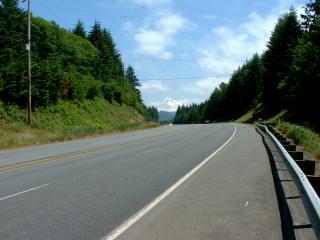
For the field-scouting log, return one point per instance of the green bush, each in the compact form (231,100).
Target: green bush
(112,92)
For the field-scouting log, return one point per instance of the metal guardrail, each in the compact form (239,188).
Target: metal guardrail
(309,196)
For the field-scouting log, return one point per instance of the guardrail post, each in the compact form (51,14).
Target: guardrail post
(296,155)
(307,166)
(285,142)
(290,147)
(315,182)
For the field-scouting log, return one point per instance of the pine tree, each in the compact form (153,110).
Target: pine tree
(133,81)
(303,81)
(312,15)
(95,35)
(277,60)
(109,66)
(153,114)
(12,53)
(79,29)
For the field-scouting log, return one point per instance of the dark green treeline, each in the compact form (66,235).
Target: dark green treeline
(285,76)
(66,65)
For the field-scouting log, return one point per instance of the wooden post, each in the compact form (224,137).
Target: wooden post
(29,65)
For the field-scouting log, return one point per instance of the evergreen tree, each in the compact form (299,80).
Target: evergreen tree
(303,81)
(133,81)
(312,15)
(95,35)
(109,65)
(79,29)
(277,60)
(113,58)
(191,114)
(153,114)
(64,65)
(214,107)
(13,56)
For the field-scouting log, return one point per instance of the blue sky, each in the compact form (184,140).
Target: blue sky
(181,49)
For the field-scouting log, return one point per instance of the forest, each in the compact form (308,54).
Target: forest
(67,65)
(286,76)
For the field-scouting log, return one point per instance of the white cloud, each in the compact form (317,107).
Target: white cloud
(158,34)
(170,104)
(153,86)
(170,23)
(203,87)
(232,46)
(153,43)
(213,61)
(151,3)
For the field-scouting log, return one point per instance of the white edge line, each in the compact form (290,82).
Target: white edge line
(129,222)
(28,190)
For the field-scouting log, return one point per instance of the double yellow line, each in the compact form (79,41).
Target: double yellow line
(41,161)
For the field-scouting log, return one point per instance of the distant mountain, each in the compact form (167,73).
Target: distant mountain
(165,116)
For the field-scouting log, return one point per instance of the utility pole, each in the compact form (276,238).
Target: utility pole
(29,65)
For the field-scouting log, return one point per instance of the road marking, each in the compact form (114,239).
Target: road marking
(147,151)
(247,204)
(28,190)
(129,222)
(38,162)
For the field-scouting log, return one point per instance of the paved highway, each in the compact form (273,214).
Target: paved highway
(88,188)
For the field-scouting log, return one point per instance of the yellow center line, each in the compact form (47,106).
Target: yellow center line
(38,162)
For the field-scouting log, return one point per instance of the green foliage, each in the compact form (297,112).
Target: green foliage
(112,92)
(311,16)
(108,65)
(93,92)
(228,101)
(244,88)
(153,114)
(277,60)
(79,29)
(133,81)
(302,136)
(65,65)
(13,56)
(190,114)
(303,82)
(65,120)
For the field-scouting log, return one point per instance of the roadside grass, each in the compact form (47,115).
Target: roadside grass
(303,136)
(65,121)
(251,115)
(246,118)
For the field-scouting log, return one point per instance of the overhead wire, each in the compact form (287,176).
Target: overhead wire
(185,78)
(53,13)
(155,60)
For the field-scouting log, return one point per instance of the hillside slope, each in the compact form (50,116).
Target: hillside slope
(66,120)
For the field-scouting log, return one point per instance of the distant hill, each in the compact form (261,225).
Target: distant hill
(165,116)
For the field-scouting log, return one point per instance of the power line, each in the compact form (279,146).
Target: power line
(53,13)
(178,60)
(185,78)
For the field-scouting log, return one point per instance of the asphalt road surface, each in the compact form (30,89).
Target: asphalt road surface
(88,188)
